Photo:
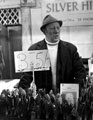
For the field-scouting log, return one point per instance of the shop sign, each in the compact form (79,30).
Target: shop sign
(9,3)
(36,60)
(72,12)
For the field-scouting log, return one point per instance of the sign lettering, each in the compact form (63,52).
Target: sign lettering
(71,12)
(26,60)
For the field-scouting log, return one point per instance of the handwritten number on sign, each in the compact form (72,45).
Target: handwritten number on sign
(31,56)
(29,60)
(39,60)
(23,65)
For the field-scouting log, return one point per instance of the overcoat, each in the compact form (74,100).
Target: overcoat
(69,69)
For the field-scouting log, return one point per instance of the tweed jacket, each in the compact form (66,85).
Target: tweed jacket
(69,68)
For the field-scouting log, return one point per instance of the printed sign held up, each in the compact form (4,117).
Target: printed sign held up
(71,92)
(26,60)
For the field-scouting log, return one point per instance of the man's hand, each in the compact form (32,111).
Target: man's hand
(22,91)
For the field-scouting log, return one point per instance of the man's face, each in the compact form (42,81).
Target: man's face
(52,32)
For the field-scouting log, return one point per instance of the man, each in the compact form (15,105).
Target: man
(66,65)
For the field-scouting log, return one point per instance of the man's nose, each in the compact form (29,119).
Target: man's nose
(56,29)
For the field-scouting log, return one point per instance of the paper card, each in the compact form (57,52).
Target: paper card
(70,91)
(90,66)
(31,60)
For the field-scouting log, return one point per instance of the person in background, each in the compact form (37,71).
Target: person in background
(66,64)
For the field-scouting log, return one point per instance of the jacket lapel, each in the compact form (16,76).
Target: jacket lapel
(61,62)
(42,45)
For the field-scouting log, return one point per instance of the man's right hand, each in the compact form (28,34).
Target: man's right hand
(22,91)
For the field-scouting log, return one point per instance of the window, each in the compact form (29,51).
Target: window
(10,16)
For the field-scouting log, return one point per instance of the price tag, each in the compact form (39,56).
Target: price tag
(71,92)
(36,59)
